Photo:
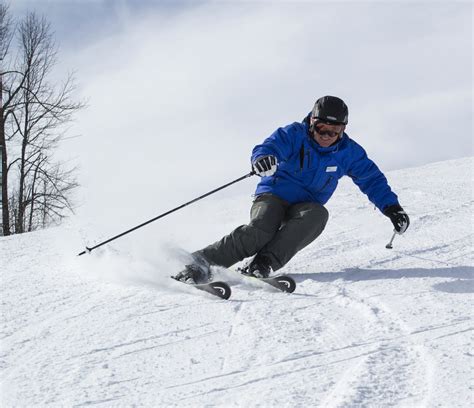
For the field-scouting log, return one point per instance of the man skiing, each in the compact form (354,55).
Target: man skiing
(299,165)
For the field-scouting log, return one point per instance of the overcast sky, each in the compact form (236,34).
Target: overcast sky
(180,92)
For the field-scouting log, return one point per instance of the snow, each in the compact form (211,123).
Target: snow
(367,326)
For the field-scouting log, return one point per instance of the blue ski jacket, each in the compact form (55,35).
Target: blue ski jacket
(308,172)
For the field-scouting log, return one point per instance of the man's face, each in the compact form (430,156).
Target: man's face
(325,134)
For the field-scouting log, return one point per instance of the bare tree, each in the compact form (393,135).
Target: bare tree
(5,38)
(36,115)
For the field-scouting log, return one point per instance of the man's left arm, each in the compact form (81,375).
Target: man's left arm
(372,182)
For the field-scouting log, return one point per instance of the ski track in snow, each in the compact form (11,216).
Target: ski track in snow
(366,327)
(394,368)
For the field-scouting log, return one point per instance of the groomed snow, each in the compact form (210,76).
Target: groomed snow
(367,326)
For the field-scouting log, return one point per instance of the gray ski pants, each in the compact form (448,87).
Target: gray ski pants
(277,230)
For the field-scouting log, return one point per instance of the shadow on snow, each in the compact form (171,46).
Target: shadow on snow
(462,277)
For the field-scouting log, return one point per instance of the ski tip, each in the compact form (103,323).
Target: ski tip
(286,283)
(219,289)
(222,289)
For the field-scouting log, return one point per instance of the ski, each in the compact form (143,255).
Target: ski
(285,283)
(219,289)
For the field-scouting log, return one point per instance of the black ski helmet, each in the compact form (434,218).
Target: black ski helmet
(331,109)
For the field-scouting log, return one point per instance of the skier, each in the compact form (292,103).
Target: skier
(299,165)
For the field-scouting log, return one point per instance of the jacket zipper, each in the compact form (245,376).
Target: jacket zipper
(326,183)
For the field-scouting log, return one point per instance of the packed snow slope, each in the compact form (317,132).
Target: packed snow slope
(367,326)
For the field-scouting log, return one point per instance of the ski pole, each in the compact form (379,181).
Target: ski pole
(89,250)
(389,245)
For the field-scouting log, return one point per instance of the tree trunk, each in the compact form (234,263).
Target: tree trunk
(33,196)
(45,210)
(4,177)
(20,222)
(20,226)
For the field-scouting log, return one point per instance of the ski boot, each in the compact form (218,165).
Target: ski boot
(259,267)
(194,274)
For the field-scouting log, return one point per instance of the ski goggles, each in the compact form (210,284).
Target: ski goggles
(329,129)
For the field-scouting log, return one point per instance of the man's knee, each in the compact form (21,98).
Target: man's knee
(322,214)
(314,213)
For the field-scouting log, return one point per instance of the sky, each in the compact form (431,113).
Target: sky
(179,92)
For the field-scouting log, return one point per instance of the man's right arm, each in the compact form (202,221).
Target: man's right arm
(279,144)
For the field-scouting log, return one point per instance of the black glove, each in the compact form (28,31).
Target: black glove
(398,217)
(265,166)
